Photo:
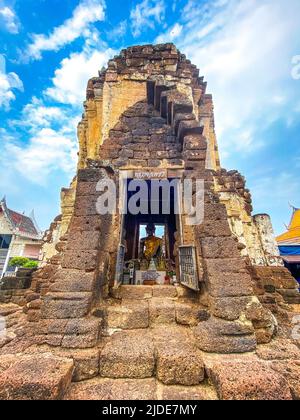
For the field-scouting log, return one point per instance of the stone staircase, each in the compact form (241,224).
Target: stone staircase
(146,350)
(148,344)
(149,351)
(148,333)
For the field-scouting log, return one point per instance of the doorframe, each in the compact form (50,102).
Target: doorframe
(124,175)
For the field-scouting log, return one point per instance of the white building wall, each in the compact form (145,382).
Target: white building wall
(5,228)
(17,245)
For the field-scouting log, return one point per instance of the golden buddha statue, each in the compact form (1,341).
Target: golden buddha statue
(151,246)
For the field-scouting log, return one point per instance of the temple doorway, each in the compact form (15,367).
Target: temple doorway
(149,242)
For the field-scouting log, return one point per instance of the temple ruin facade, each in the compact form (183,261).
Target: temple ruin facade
(151,306)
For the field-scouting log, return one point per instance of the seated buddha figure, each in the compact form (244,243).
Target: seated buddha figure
(151,246)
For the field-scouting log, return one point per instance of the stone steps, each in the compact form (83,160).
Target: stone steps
(141,307)
(128,354)
(167,353)
(145,292)
(241,380)
(34,377)
(131,315)
(147,334)
(100,389)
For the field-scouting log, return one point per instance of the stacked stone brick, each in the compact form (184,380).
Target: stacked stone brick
(164,333)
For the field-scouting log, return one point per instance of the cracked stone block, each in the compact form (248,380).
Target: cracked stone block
(128,354)
(248,381)
(34,377)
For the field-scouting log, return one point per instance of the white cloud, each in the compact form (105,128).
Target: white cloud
(46,151)
(50,143)
(86,13)
(46,141)
(118,32)
(9,19)
(70,80)
(37,115)
(171,36)
(42,141)
(146,15)
(244,50)
(8,82)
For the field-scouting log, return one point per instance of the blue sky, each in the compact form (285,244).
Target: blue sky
(248,51)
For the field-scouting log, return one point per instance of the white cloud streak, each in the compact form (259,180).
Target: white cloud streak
(146,15)
(244,49)
(85,14)
(9,19)
(51,143)
(118,32)
(70,79)
(8,83)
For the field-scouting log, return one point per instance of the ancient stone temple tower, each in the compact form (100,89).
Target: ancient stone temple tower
(99,302)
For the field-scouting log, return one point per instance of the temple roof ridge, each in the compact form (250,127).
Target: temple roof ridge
(292,235)
(20,223)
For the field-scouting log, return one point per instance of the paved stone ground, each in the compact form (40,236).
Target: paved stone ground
(148,351)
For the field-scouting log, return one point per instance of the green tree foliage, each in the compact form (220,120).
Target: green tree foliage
(23,262)
(31,264)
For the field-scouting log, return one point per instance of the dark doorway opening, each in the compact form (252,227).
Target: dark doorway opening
(166,225)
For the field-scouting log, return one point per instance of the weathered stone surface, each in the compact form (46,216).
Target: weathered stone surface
(6,337)
(187,314)
(230,285)
(188,128)
(179,364)
(162,311)
(291,296)
(215,212)
(225,266)
(248,381)
(263,320)
(86,223)
(86,363)
(178,361)
(279,349)
(81,333)
(15,283)
(220,248)
(8,309)
(80,260)
(214,228)
(113,389)
(83,241)
(73,281)
(86,188)
(86,206)
(229,308)
(136,292)
(184,292)
(218,336)
(290,370)
(130,315)
(190,393)
(34,377)
(128,354)
(164,292)
(197,142)
(66,305)
(279,277)
(260,316)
